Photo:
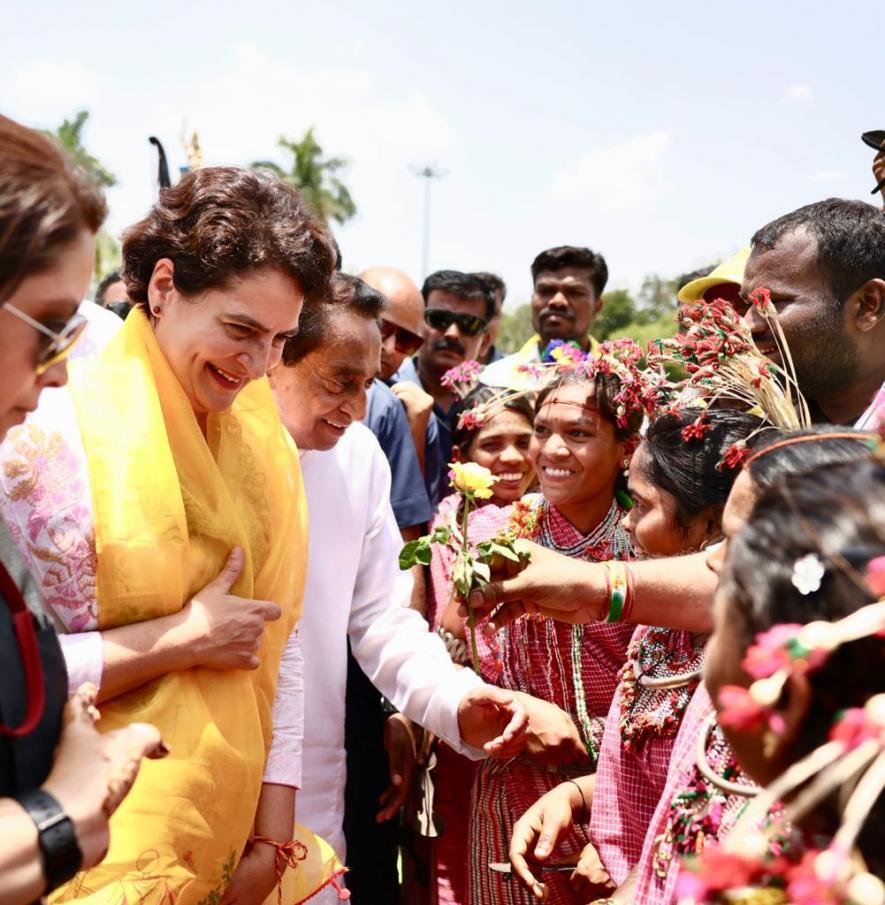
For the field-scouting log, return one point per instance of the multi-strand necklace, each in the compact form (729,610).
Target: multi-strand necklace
(662,671)
(713,798)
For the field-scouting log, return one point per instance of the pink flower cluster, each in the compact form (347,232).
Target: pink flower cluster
(641,390)
(463,378)
(812,880)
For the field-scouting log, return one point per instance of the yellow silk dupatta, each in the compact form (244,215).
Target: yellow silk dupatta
(168,505)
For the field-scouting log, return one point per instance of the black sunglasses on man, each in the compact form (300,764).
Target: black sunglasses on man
(441,319)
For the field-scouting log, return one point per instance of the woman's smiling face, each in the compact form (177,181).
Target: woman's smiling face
(574,449)
(502,446)
(219,341)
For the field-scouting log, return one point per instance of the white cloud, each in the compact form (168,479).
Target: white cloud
(51,90)
(800,93)
(620,177)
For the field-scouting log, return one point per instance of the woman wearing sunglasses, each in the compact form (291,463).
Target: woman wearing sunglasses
(162,514)
(59,779)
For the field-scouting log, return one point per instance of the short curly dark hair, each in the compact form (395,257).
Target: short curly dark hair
(217,223)
(562,256)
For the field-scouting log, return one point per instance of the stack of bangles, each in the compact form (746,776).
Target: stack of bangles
(620,590)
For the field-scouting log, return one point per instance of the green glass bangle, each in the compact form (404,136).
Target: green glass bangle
(616,604)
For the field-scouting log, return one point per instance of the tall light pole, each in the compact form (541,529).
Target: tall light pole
(428,173)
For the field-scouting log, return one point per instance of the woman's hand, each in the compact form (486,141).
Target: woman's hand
(553,738)
(539,830)
(221,630)
(255,877)
(591,881)
(93,773)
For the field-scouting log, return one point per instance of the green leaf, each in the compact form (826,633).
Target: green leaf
(482,571)
(411,553)
(505,550)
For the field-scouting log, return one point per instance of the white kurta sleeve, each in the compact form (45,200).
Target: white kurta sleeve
(405,661)
(284,758)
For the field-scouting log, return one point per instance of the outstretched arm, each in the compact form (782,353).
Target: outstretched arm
(675,592)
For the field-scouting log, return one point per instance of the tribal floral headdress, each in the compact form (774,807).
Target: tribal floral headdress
(641,389)
(851,764)
(724,367)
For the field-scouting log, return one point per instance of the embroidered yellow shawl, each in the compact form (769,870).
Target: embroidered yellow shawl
(169,504)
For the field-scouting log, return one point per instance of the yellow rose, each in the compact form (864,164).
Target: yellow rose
(471,479)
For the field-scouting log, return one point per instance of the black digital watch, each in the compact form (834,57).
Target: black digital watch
(62,857)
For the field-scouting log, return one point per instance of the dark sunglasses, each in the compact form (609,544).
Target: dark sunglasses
(406,343)
(440,319)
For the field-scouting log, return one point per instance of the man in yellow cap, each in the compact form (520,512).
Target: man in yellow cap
(723,282)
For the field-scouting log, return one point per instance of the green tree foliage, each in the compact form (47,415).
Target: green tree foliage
(107,254)
(315,176)
(70,136)
(516,328)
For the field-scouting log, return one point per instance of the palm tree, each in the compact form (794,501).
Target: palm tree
(68,135)
(316,177)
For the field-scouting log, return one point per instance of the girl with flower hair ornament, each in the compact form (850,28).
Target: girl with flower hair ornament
(585,430)
(678,487)
(795,666)
(705,789)
(494,432)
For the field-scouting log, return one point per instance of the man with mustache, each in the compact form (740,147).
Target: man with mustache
(824,265)
(458,309)
(567,298)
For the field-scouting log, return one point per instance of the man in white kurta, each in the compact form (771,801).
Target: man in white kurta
(355,589)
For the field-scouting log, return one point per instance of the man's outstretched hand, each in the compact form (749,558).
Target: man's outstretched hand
(546,582)
(494,720)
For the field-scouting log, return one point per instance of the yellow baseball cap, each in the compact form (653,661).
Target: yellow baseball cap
(729,271)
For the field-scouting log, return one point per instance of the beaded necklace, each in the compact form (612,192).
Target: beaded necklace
(656,683)
(534,518)
(715,794)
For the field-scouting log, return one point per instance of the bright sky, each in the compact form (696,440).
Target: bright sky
(661,135)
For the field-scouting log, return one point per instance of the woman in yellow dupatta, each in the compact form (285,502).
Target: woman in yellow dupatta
(187,460)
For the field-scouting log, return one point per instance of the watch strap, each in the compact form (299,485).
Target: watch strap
(57,837)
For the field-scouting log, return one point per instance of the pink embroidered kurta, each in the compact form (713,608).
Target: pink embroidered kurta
(574,667)
(640,732)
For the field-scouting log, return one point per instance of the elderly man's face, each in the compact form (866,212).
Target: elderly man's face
(813,321)
(325,392)
(564,304)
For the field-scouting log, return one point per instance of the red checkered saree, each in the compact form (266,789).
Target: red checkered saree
(574,667)
(454,774)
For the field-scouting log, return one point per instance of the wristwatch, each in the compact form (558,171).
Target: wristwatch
(62,857)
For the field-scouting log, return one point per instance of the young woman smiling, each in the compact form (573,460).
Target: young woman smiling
(164,520)
(566,674)
(500,442)
(678,488)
